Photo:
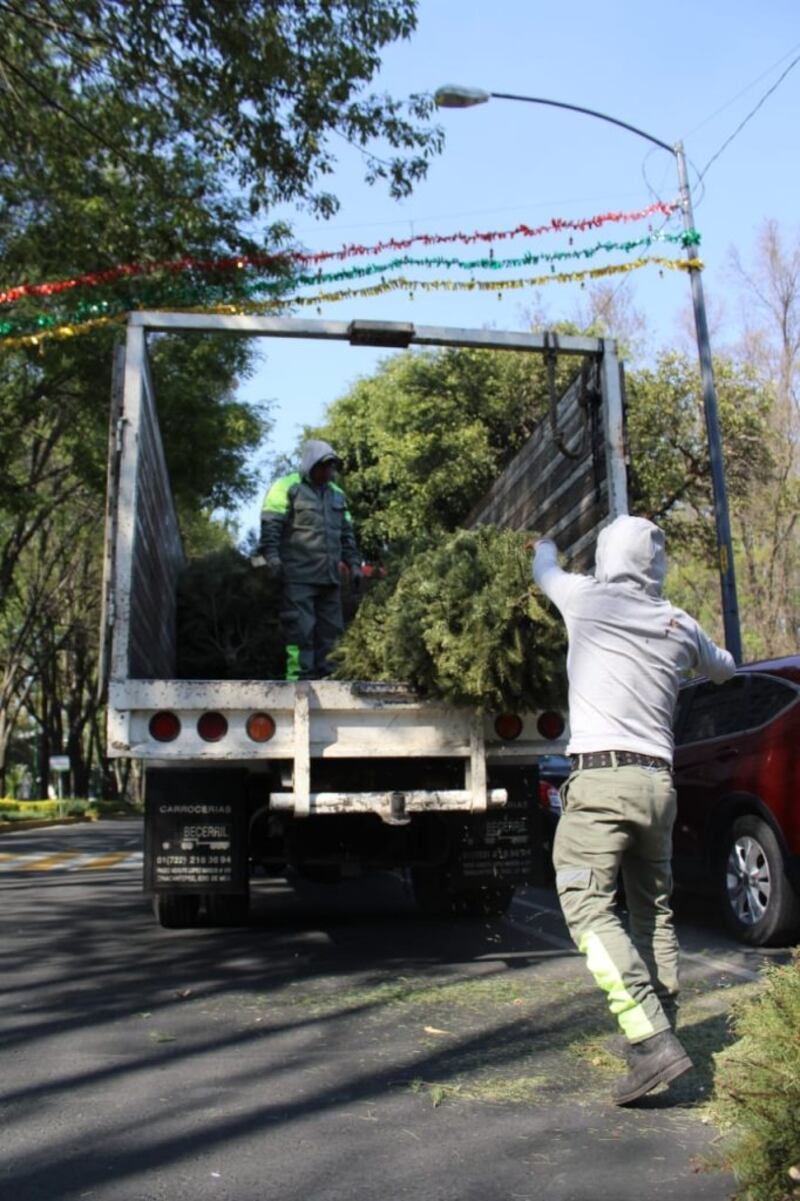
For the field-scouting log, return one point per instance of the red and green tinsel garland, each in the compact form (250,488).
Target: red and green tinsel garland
(263,283)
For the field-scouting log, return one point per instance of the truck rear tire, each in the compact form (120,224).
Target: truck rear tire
(176,910)
(227,909)
(431,894)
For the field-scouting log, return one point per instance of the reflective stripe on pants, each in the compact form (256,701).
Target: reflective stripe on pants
(618,821)
(311,618)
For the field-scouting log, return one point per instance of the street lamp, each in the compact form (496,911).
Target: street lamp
(458,97)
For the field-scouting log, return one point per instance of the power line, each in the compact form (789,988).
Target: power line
(743,91)
(752,113)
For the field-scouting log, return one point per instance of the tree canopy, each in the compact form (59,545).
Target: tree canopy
(425,437)
(142,131)
(257,89)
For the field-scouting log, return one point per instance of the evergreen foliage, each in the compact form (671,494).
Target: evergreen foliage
(462,621)
(757,1087)
(228,620)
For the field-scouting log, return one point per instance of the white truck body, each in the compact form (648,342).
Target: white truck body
(316,723)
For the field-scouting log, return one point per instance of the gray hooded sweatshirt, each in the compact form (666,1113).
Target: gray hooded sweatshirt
(629,648)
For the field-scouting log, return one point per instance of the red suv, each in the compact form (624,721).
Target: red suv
(737,773)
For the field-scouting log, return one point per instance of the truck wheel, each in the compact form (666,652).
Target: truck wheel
(176,910)
(758,902)
(431,893)
(227,909)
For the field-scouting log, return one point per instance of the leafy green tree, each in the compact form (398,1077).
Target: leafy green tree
(669,473)
(767,519)
(258,88)
(424,438)
(48,636)
(427,435)
(132,133)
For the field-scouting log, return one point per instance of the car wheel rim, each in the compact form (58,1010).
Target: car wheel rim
(748,880)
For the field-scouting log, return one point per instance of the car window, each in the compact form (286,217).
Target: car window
(766,697)
(714,710)
(685,698)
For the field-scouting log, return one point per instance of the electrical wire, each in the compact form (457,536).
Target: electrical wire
(751,114)
(743,91)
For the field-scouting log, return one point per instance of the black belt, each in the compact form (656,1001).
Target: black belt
(616,759)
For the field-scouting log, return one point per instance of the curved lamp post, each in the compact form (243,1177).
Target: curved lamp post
(458,97)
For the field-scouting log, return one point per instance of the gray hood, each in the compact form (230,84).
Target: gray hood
(631,550)
(312,452)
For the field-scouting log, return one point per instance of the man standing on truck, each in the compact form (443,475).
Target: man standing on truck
(306,537)
(628,649)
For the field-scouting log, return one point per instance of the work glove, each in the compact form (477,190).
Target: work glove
(273,565)
(356,577)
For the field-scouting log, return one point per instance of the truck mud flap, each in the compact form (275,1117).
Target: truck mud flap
(505,846)
(195,831)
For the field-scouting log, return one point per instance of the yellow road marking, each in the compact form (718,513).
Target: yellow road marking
(106,860)
(48,861)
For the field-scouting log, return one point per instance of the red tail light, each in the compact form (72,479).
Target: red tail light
(508,726)
(550,725)
(164,726)
(212,726)
(548,796)
(260,727)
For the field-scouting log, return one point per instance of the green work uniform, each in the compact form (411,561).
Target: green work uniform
(306,532)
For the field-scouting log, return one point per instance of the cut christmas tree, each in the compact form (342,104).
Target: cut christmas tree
(462,621)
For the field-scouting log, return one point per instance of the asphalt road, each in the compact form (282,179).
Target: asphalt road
(338,1048)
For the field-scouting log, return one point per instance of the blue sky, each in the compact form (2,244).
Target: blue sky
(688,71)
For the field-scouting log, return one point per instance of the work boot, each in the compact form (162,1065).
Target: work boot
(618,1046)
(655,1060)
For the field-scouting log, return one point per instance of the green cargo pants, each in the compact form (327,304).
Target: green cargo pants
(619,820)
(311,617)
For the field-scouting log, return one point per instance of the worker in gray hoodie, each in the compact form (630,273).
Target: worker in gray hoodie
(306,538)
(628,651)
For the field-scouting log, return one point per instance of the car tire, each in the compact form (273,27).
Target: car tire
(759,903)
